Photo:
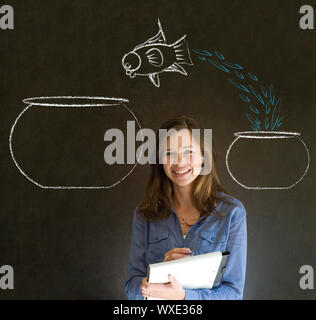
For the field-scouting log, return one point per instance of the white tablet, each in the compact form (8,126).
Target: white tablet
(193,272)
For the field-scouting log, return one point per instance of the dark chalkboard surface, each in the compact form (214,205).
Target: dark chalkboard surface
(69,243)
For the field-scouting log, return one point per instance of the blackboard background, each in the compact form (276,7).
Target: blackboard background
(69,244)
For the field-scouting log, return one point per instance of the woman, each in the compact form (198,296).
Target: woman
(186,212)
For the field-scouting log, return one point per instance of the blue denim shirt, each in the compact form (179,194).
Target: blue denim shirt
(151,240)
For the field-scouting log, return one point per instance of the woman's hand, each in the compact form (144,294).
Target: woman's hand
(171,290)
(177,253)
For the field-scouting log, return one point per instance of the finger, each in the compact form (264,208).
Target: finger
(173,257)
(144,287)
(176,256)
(157,290)
(178,250)
(153,286)
(174,283)
(173,279)
(144,291)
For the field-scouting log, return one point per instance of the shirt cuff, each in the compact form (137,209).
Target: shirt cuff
(191,294)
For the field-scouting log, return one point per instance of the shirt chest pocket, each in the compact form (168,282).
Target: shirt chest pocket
(157,247)
(211,241)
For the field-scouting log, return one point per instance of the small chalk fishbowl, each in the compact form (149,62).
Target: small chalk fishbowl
(267,159)
(58,142)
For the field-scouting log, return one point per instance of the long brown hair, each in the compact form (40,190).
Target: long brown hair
(159,192)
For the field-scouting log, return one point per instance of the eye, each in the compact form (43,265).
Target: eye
(188,151)
(171,154)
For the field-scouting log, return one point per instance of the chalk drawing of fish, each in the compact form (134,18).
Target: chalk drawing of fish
(156,56)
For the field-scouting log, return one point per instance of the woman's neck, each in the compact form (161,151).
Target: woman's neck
(183,196)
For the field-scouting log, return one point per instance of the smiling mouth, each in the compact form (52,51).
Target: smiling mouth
(181,173)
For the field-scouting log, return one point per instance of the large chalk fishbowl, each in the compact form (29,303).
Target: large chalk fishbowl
(58,142)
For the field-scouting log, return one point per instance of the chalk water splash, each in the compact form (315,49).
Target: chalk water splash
(263,104)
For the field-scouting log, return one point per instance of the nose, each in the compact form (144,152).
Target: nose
(180,158)
(181,161)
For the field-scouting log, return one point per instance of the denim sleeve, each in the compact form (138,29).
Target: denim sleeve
(233,280)
(136,268)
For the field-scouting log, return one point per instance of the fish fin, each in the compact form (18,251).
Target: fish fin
(176,68)
(154,57)
(154,78)
(158,38)
(182,51)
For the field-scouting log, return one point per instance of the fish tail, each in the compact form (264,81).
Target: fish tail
(182,51)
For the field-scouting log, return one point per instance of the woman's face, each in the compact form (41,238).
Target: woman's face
(182,158)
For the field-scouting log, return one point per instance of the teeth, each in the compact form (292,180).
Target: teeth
(182,172)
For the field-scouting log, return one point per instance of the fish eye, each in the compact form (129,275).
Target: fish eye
(131,61)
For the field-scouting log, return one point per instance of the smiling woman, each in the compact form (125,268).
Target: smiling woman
(186,211)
